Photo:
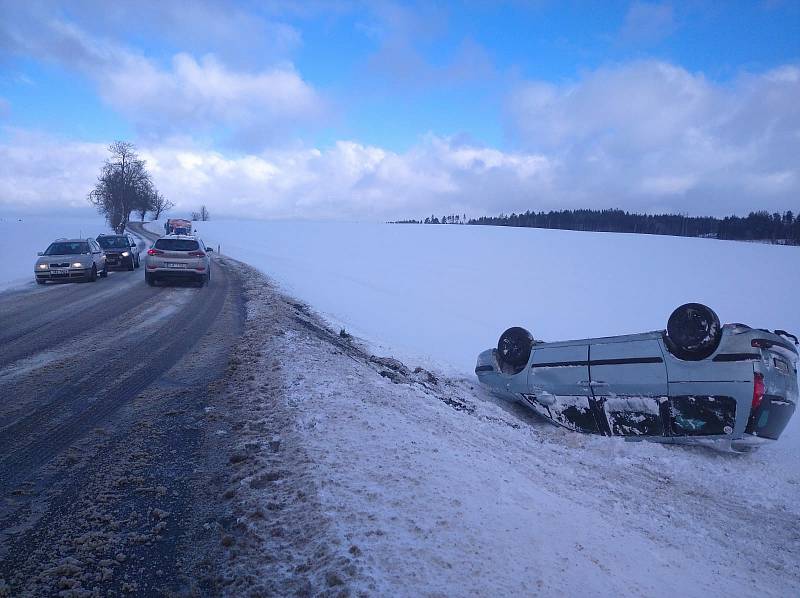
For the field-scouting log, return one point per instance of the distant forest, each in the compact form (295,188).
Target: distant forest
(757,226)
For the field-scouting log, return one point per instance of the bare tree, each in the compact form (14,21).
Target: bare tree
(146,203)
(123,186)
(160,204)
(204,215)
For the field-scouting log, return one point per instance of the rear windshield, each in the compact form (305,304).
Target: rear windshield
(68,248)
(177,245)
(113,242)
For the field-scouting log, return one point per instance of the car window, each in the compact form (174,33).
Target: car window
(68,248)
(177,245)
(113,242)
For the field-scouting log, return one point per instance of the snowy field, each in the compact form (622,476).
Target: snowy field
(431,488)
(435,488)
(440,294)
(22,238)
(437,295)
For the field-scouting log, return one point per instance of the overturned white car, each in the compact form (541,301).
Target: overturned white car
(694,380)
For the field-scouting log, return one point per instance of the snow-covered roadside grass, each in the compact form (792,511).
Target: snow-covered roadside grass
(22,238)
(362,475)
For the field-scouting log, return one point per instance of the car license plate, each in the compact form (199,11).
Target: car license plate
(175,265)
(59,271)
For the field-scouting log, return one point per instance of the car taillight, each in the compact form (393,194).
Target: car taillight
(197,254)
(154,252)
(758,391)
(760,343)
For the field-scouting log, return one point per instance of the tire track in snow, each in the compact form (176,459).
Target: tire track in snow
(116,386)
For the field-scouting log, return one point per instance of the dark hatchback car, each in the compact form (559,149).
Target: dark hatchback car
(121,251)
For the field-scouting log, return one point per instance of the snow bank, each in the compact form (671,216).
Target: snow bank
(441,294)
(22,238)
(434,489)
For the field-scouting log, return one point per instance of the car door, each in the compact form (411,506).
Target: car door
(629,380)
(558,384)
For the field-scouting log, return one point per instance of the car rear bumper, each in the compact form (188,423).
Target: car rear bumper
(176,273)
(771,417)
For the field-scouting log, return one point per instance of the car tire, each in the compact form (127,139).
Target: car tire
(93,275)
(131,265)
(138,261)
(514,347)
(693,332)
(104,273)
(149,279)
(40,281)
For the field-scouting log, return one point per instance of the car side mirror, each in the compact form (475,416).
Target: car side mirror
(40,253)
(209,249)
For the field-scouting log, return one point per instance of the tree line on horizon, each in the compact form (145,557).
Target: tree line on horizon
(756,226)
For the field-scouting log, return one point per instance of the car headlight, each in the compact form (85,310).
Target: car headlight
(125,254)
(78,265)
(42,266)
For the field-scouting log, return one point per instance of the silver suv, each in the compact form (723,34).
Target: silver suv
(178,257)
(71,259)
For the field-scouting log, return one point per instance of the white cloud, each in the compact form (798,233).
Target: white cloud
(347,181)
(646,136)
(649,135)
(29,184)
(203,95)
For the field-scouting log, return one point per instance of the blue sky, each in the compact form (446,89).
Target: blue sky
(418,86)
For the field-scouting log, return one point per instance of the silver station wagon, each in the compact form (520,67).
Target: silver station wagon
(71,259)
(696,380)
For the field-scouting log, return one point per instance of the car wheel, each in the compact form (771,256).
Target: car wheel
(93,275)
(130,264)
(514,347)
(149,279)
(693,332)
(104,273)
(138,261)
(40,281)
